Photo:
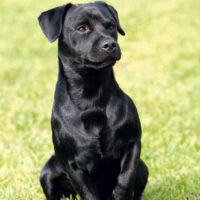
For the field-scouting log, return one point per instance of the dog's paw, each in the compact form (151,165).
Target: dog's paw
(120,193)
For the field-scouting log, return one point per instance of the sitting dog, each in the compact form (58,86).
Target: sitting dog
(95,125)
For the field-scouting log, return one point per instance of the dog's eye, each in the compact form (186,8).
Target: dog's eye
(111,27)
(82,28)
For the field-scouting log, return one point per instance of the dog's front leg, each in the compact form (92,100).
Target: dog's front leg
(125,180)
(82,183)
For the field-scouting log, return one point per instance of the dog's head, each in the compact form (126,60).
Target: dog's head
(86,32)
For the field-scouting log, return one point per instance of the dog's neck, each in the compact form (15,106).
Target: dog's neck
(87,87)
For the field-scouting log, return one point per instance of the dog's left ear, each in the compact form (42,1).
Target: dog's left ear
(114,14)
(51,21)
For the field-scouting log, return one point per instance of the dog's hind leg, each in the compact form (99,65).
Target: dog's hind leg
(140,180)
(54,181)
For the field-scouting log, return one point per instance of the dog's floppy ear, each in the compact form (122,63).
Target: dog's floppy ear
(115,16)
(51,21)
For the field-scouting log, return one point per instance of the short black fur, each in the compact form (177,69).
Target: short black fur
(95,125)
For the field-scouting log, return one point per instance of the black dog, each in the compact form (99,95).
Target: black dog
(96,128)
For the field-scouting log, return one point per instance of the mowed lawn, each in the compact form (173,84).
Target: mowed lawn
(159,69)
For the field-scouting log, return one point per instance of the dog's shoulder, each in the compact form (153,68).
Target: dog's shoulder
(123,116)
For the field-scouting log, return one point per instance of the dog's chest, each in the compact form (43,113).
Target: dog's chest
(96,125)
(94,122)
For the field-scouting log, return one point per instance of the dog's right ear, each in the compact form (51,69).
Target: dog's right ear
(114,14)
(51,21)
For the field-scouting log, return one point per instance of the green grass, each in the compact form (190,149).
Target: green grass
(159,69)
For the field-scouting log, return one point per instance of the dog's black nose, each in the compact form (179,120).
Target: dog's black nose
(108,45)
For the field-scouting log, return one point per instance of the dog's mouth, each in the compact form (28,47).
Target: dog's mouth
(98,59)
(99,65)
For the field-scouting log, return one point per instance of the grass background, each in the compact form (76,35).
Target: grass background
(160,70)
